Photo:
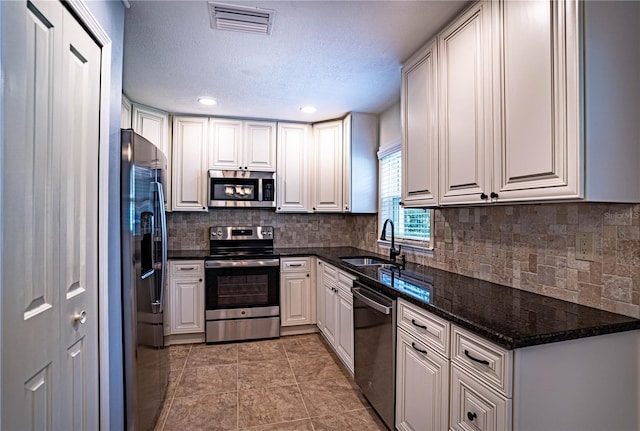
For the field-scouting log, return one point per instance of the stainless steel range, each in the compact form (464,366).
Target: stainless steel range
(242,284)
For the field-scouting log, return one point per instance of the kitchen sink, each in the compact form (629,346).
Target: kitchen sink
(365,261)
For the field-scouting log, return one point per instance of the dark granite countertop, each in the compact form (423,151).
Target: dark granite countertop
(511,318)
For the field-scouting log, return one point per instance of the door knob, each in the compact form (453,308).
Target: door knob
(80,318)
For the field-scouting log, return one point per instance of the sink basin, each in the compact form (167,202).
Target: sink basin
(365,261)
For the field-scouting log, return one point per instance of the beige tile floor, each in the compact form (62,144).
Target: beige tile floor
(293,383)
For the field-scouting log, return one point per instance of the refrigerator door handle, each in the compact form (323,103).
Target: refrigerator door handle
(163,229)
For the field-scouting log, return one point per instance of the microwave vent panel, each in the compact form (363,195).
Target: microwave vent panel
(240,18)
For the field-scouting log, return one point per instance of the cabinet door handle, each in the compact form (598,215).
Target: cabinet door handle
(494,195)
(419,350)
(484,196)
(480,361)
(471,416)
(418,325)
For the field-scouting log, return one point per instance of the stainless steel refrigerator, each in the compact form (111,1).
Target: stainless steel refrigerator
(144,269)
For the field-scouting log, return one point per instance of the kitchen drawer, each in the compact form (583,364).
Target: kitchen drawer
(490,363)
(329,272)
(345,281)
(427,328)
(475,406)
(295,264)
(186,268)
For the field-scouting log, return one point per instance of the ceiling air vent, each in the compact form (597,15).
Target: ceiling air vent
(240,18)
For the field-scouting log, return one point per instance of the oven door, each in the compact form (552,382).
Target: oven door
(247,283)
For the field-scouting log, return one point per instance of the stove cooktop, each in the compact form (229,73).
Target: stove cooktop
(242,254)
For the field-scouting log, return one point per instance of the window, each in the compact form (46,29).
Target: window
(410,223)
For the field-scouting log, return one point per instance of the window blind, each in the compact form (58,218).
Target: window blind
(410,223)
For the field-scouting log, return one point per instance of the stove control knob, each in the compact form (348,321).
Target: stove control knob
(219,233)
(214,233)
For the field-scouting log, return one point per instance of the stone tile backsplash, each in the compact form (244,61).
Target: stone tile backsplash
(532,247)
(190,230)
(529,247)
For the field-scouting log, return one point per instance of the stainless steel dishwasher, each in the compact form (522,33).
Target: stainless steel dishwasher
(374,323)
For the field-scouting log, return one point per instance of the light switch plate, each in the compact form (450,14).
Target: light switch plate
(584,246)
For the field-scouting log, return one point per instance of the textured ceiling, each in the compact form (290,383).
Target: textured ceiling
(339,56)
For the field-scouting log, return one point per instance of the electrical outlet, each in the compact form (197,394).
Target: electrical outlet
(447,234)
(584,246)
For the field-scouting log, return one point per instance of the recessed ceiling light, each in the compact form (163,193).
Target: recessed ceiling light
(308,109)
(207,101)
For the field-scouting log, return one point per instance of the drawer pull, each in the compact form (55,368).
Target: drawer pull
(419,326)
(294,264)
(419,350)
(480,361)
(187,268)
(471,416)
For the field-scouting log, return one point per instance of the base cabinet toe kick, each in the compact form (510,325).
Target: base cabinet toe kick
(470,383)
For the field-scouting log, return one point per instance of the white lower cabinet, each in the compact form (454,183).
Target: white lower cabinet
(330,302)
(475,406)
(337,315)
(344,341)
(297,293)
(319,293)
(186,296)
(422,386)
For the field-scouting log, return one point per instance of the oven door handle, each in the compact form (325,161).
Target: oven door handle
(250,263)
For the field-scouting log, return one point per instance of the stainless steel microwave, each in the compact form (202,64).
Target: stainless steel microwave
(242,189)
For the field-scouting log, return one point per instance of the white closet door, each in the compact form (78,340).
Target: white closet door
(49,264)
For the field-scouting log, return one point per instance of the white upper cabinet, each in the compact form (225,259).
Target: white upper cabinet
(242,145)
(260,146)
(327,167)
(125,113)
(225,141)
(360,163)
(567,130)
(537,153)
(420,128)
(465,121)
(153,125)
(189,183)
(292,192)
(530,106)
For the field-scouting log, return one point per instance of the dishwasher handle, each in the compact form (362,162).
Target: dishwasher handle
(360,293)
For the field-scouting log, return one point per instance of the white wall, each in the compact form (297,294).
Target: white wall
(110,15)
(390,125)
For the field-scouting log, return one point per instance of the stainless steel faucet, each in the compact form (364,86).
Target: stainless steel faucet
(383,237)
